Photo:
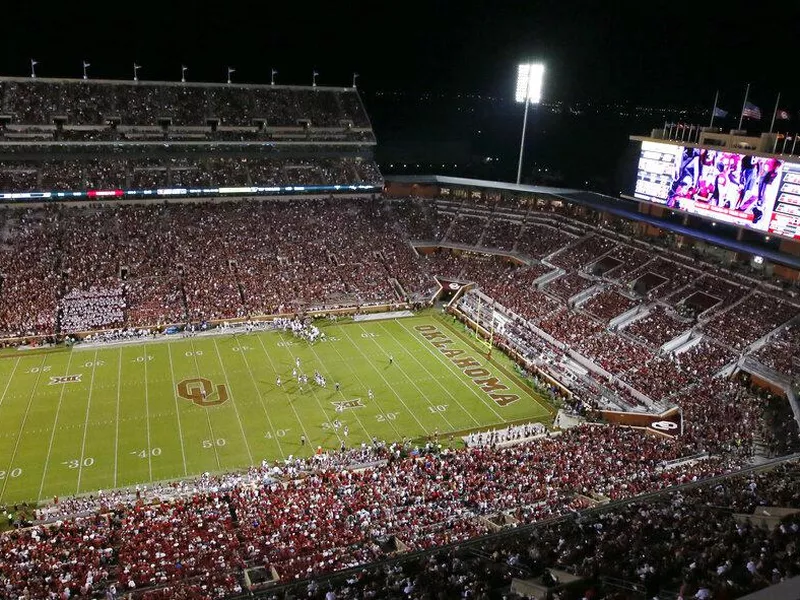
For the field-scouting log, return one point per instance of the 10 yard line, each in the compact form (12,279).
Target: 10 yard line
(177,408)
(450,366)
(438,382)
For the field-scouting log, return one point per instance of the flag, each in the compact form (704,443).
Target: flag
(274,72)
(86,65)
(719,113)
(782,114)
(231,70)
(36,62)
(316,74)
(751,111)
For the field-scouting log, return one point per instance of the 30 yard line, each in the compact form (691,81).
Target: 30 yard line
(86,423)
(341,393)
(177,408)
(22,426)
(361,382)
(261,397)
(53,432)
(424,368)
(230,392)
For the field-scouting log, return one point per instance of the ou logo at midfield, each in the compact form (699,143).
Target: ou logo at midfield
(664,425)
(201,391)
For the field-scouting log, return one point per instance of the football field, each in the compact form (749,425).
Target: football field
(89,418)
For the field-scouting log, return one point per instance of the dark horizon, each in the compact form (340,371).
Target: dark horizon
(649,53)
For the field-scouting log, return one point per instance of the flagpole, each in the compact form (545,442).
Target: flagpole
(775,112)
(746,95)
(794,143)
(714,110)
(785,141)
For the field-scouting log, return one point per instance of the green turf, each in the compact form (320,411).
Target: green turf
(125,423)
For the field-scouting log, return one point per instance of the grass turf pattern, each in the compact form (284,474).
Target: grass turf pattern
(78,420)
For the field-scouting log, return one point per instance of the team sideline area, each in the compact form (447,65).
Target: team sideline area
(104,417)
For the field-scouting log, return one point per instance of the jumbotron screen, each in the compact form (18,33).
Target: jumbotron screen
(761,193)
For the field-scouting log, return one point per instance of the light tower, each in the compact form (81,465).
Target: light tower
(530,77)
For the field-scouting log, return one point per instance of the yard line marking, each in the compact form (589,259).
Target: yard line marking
(438,382)
(22,426)
(230,393)
(424,396)
(377,404)
(147,421)
(116,433)
(177,408)
(53,432)
(86,423)
(208,416)
(288,397)
(313,393)
(341,393)
(10,377)
(450,366)
(395,394)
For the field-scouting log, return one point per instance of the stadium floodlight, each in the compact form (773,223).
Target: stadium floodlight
(530,78)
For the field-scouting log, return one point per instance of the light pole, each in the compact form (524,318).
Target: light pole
(529,91)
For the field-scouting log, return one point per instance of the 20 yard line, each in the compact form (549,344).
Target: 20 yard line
(22,426)
(86,424)
(422,394)
(230,391)
(53,432)
(177,408)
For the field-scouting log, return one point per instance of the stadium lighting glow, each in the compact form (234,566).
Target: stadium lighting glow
(530,80)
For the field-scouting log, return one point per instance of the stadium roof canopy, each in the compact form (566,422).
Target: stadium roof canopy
(626,209)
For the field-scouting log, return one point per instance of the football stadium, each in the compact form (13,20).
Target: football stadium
(238,362)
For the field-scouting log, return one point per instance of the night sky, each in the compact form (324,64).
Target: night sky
(650,51)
